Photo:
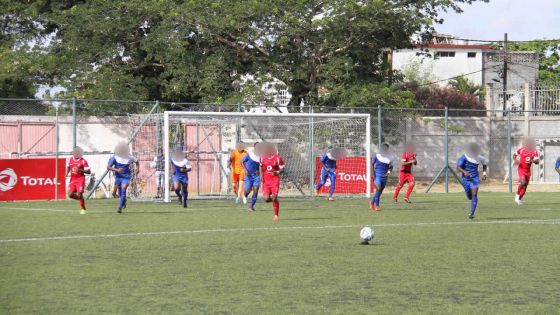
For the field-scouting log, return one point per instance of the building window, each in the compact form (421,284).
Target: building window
(445,54)
(471,55)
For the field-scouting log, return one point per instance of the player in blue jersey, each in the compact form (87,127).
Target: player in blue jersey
(468,166)
(328,160)
(180,167)
(120,163)
(557,165)
(252,163)
(382,164)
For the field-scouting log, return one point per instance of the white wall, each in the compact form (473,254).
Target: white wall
(442,67)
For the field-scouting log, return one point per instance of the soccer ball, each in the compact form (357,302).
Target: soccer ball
(366,234)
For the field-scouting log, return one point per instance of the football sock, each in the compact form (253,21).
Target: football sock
(82,203)
(469,195)
(397,191)
(178,192)
(409,191)
(474,202)
(331,190)
(185,196)
(123,198)
(376,198)
(521,191)
(253,200)
(276,206)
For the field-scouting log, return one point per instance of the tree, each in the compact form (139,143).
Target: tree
(549,58)
(200,50)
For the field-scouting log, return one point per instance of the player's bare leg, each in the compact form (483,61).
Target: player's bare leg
(240,192)
(116,192)
(235,190)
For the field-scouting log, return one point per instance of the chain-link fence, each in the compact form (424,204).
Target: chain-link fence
(52,128)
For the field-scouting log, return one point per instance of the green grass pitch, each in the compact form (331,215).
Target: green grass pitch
(214,257)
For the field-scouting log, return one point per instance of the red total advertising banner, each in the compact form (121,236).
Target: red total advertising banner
(31,179)
(350,175)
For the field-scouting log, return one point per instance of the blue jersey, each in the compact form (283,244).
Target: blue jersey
(470,165)
(558,162)
(251,162)
(381,165)
(177,165)
(124,163)
(328,161)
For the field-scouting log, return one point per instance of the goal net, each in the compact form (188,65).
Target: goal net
(207,139)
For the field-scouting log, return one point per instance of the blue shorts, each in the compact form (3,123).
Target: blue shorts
(380,181)
(181,179)
(121,181)
(331,175)
(470,183)
(251,181)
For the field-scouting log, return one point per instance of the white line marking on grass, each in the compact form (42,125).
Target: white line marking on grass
(232,230)
(36,209)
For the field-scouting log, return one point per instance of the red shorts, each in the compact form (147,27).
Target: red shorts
(524,175)
(405,178)
(76,185)
(271,187)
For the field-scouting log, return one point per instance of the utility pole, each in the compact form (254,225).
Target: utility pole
(505,72)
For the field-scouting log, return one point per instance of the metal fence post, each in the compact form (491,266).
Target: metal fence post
(311,155)
(446,148)
(379,131)
(510,172)
(74,124)
(56,154)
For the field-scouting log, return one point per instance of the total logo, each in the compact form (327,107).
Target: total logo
(351,177)
(9,179)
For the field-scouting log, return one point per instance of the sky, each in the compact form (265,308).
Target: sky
(521,19)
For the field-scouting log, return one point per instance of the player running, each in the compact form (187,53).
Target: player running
(272,165)
(405,174)
(328,160)
(237,171)
(557,165)
(251,164)
(180,167)
(525,157)
(382,166)
(77,167)
(120,163)
(468,165)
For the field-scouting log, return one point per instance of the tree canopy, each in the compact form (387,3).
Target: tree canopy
(201,50)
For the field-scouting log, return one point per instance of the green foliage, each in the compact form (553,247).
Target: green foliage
(200,50)
(466,86)
(549,58)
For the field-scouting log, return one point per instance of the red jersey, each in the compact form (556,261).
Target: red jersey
(407,157)
(271,164)
(73,165)
(526,158)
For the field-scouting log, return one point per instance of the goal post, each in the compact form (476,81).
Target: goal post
(207,139)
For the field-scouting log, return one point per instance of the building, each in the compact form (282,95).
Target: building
(446,57)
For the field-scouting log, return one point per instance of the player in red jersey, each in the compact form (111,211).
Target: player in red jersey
(525,157)
(405,175)
(77,167)
(272,165)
